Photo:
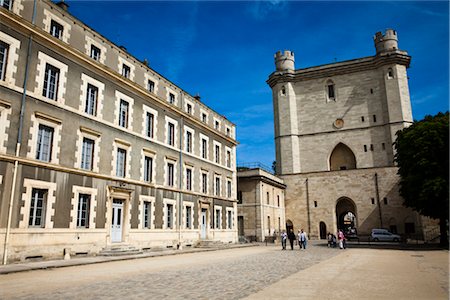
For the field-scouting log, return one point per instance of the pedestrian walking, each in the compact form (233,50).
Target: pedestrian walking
(303,239)
(298,239)
(283,240)
(330,240)
(341,238)
(291,237)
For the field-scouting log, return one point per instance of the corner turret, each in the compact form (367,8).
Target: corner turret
(285,61)
(387,42)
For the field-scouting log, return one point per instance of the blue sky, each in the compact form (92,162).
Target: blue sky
(224,50)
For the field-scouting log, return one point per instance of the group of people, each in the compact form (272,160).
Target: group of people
(340,237)
(302,238)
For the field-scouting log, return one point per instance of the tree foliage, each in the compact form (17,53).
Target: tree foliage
(423,160)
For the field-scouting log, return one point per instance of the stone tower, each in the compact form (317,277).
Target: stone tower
(334,129)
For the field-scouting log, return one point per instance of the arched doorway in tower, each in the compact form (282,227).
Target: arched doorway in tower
(323,230)
(346,215)
(342,158)
(289,226)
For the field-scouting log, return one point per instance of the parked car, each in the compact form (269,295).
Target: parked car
(383,235)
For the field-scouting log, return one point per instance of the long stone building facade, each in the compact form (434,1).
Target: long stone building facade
(335,126)
(98,149)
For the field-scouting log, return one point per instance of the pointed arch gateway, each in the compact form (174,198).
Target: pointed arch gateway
(342,158)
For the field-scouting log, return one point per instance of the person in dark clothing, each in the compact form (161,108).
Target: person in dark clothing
(291,237)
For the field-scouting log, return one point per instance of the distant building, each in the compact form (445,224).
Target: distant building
(98,150)
(335,126)
(260,204)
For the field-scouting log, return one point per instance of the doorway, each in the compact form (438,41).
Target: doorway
(203,223)
(241,225)
(323,230)
(117,221)
(346,215)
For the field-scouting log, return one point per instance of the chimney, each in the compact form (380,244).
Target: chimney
(197,97)
(123,48)
(63,5)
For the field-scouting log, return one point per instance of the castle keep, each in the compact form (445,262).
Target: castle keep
(335,126)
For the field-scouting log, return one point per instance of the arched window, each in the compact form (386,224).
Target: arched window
(390,73)
(331,92)
(283,90)
(342,158)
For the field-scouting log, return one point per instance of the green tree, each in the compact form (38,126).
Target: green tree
(423,160)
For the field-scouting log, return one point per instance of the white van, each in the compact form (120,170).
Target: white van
(384,235)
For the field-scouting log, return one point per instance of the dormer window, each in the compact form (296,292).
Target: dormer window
(171,98)
(95,52)
(331,93)
(126,71)
(150,86)
(6,4)
(56,29)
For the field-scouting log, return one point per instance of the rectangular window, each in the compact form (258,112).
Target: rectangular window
(148,166)
(95,52)
(91,100)
(56,29)
(216,125)
(188,217)
(123,113)
(383,146)
(229,189)
(126,71)
(331,91)
(204,148)
(121,162)
(189,108)
(365,148)
(87,154)
(362,119)
(84,202)
(385,201)
(204,117)
(217,186)
(171,134)
(204,183)
(239,197)
(37,208)
(218,217)
(217,153)
(171,98)
(188,141)
(230,219)
(374,118)
(44,143)
(228,159)
(228,132)
(278,200)
(51,80)
(371,147)
(268,198)
(149,121)
(170,174)
(373,200)
(6,3)
(147,216)
(189,179)
(169,216)
(150,86)
(4,48)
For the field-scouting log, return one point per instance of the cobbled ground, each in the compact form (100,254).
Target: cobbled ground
(232,279)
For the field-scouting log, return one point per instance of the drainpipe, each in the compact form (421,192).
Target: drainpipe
(18,144)
(378,200)
(307,206)
(180,177)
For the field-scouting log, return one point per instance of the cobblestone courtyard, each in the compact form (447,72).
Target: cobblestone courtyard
(256,272)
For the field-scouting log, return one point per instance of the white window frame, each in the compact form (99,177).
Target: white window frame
(5,115)
(174,213)
(228,160)
(38,119)
(192,131)
(219,225)
(186,102)
(154,112)
(93,42)
(171,91)
(217,160)
(121,96)
(218,193)
(48,17)
(43,60)
(229,191)
(166,132)
(29,185)
(151,200)
(202,111)
(126,146)
(219,126)
(228,225)
(328,83)
(76,191)
(201,181)
(122,61)
(12,59)
(149,153)
(85,80)
(173,161)
(148,77)
(204,137)
(188,167)
(187,204)
(82,133)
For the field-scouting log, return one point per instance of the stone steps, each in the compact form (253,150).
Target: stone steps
(210,244)
(119,250)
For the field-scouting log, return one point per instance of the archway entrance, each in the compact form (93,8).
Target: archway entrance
(323,230)
(289,226)
(346,215)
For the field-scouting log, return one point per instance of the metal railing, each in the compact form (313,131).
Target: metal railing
(254,165)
